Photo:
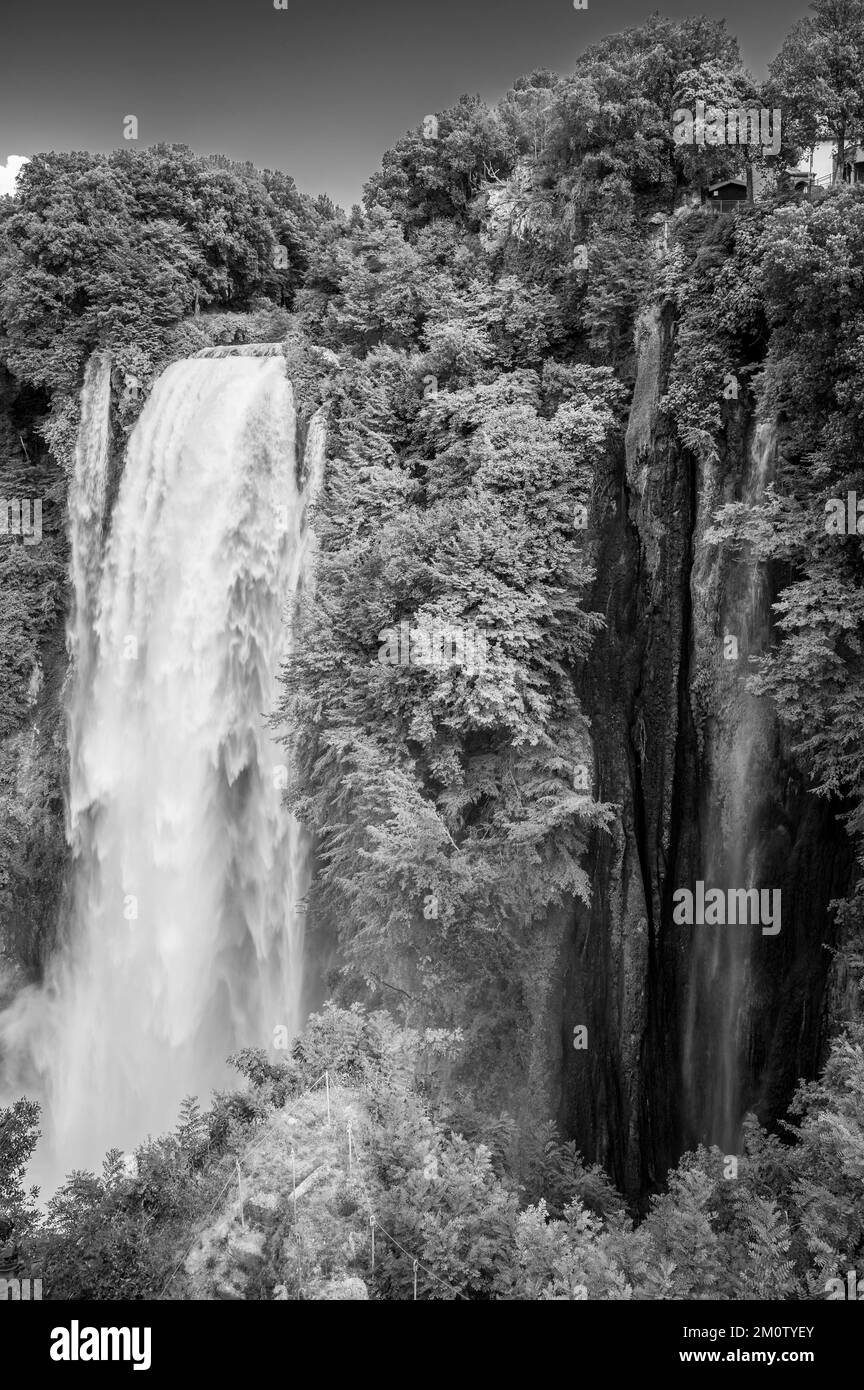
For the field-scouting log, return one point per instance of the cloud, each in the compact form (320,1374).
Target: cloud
(10,171)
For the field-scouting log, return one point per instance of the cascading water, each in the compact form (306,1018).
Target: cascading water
(718,1002)
(183,942)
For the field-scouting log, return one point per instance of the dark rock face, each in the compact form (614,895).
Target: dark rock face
(686,1031)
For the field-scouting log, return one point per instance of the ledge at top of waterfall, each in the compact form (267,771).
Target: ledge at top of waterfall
(242,350)
(182,946)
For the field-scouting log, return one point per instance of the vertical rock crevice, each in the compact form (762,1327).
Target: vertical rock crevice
(687,1031)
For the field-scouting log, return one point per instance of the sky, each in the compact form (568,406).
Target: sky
(319,89)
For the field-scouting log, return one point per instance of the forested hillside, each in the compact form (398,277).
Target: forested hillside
(522,344)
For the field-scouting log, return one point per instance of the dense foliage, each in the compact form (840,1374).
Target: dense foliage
(487,1216)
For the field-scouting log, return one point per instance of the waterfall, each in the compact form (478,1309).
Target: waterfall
(183,943)
(87,496)
(719,1004)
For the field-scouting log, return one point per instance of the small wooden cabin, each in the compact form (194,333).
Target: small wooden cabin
(725,196)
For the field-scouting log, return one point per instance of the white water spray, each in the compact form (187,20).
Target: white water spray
(183,944)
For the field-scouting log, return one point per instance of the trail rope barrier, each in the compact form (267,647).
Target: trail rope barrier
(354,1167)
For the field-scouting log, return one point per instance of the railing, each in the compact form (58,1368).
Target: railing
(724,204)
(827,181)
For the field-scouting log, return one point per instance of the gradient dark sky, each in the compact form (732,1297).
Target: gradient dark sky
(319,89)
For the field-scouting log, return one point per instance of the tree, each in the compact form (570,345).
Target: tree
(820,73)
(365,288)
(527,111)
(727,90)
(438,174)
(19,1135)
